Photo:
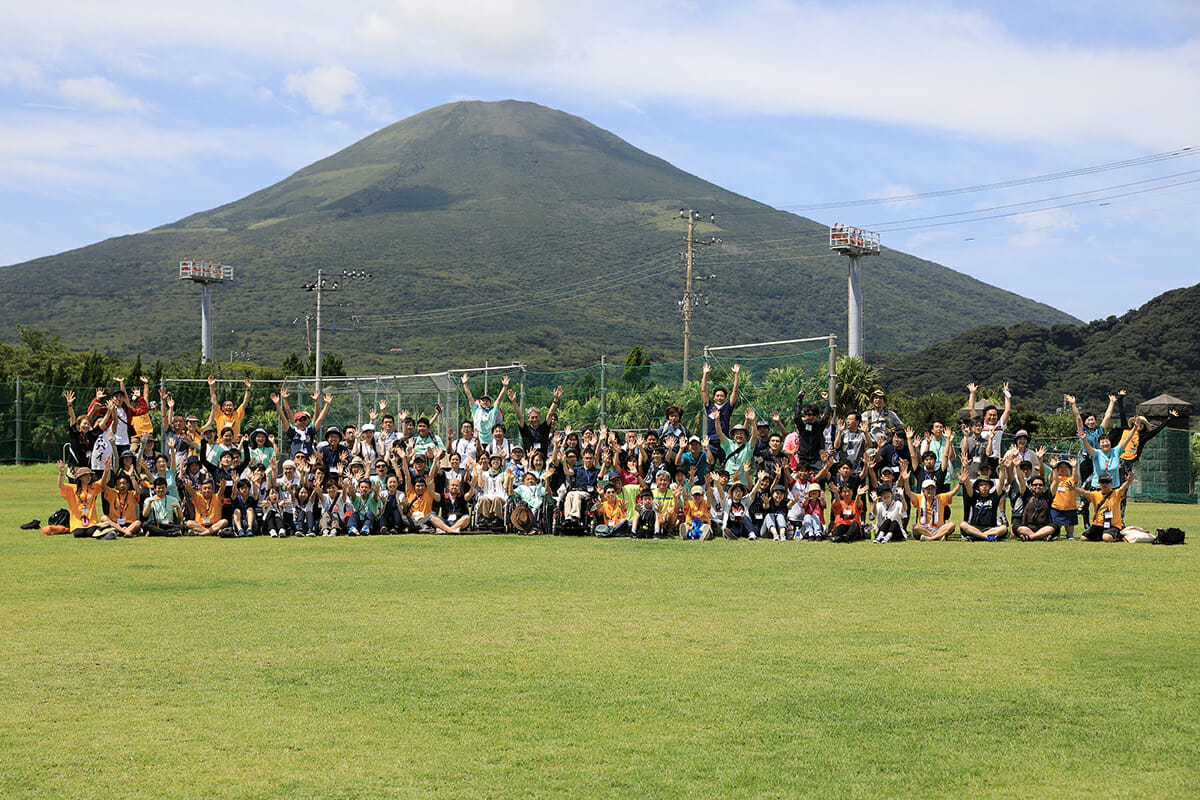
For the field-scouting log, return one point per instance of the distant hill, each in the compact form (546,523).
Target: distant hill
(493,230)
(1147,352)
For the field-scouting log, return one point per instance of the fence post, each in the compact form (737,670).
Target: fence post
(603,393)
(17,442)
(485,378)
(522,386)
(833,373)
(358,394)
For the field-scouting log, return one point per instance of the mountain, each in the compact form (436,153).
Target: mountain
(505,231)
(1149,351)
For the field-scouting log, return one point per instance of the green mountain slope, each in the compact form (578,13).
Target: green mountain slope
(504,231)
(1147,352)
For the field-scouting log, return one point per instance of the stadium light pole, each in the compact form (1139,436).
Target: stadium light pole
(691,298)
(205,273)
(853,243)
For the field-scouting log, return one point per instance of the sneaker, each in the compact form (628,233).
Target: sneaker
(273,534)
(33,524)
(354,531)
(752,537)
(310,533)
(991,538)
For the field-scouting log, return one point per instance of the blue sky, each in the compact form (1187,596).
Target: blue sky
(124,115)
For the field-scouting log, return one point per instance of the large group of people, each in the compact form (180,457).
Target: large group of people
(814,476)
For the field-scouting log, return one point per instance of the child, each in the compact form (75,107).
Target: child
(696,517)
(889,516)
(775,510)
(273,518)
(1063,486)
(335,506)
(846,516)
(305,513)
(737,514)
(364,518)
(813,510)
(613,513)
(245,507)
(649,520)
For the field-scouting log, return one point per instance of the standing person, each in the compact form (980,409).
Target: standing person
(881,420)
(223,413)
(721,403)
(1064,509)
(674,428)
(805,443)
(994,422)
(118,419)
(302,432)
(1137,432)
(1086,425)
(850,442)
(484,414)
(81,500)
(82,438)
(536,434)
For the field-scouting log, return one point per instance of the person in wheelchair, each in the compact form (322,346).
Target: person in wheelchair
(583,487)
(492,490)
(529,502)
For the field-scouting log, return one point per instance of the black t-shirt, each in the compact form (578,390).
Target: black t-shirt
(535,438)
(982,511)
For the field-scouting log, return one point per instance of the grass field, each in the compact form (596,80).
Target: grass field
(499,666)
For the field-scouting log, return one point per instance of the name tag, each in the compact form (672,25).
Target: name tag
(206,521)
(120,520)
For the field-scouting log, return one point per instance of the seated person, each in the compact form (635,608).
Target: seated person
(613,513)
(931,509)
(983,513)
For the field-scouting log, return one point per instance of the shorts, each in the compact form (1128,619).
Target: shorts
(1061,519)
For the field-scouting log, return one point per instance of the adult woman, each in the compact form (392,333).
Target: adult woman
(81,501)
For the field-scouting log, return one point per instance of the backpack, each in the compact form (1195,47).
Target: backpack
(60,517)
(1169,536)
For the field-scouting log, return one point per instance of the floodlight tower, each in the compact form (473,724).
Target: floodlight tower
(854,243)
(205,273)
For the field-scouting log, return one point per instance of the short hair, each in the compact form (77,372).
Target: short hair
(423,421)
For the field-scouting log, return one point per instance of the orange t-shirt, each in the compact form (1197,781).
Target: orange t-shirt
(122,506)
(82,504)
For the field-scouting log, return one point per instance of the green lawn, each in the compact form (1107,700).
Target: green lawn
(501,666)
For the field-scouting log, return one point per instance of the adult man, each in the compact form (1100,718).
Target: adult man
(993,421)
(1106,522)
(224,413)
(851,442)
(302,433)
(983,513)
(1032,522)
(536,434)
(737,454)
(721,403)
(880,419)
(804,444)
(484,415)
(583,486)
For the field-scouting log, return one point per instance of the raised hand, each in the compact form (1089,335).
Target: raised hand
(100,393)
(274,398)
(971,387)
(737,368)
(1069,398)
(465,378)
(328,398)
(316,396)
(558,390)
(910,432)
(504,381)
(212,381)
(283,392)
(707,368)
(383,405)
(70,397)
(246,383)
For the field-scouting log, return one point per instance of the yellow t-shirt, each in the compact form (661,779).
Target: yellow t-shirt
(122,506)
(1064,495)
(613,511)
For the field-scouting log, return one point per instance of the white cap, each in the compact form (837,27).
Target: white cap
(925,484)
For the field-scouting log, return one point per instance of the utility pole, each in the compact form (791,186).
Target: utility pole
(320,285)
(691,298)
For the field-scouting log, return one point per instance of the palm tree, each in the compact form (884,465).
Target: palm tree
(856,379)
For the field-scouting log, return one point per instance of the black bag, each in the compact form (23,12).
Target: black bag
(1169,536)
(60,517)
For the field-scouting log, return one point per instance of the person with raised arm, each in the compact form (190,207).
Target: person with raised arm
(302,431)
(930,513)
(994,423)
(484,413)
(536,434)
(81,497)
(118,418)
(207,506)
(720,402)
(223,413)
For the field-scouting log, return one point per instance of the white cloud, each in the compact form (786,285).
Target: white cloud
(1042,228)
(99,92)
(326,88)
